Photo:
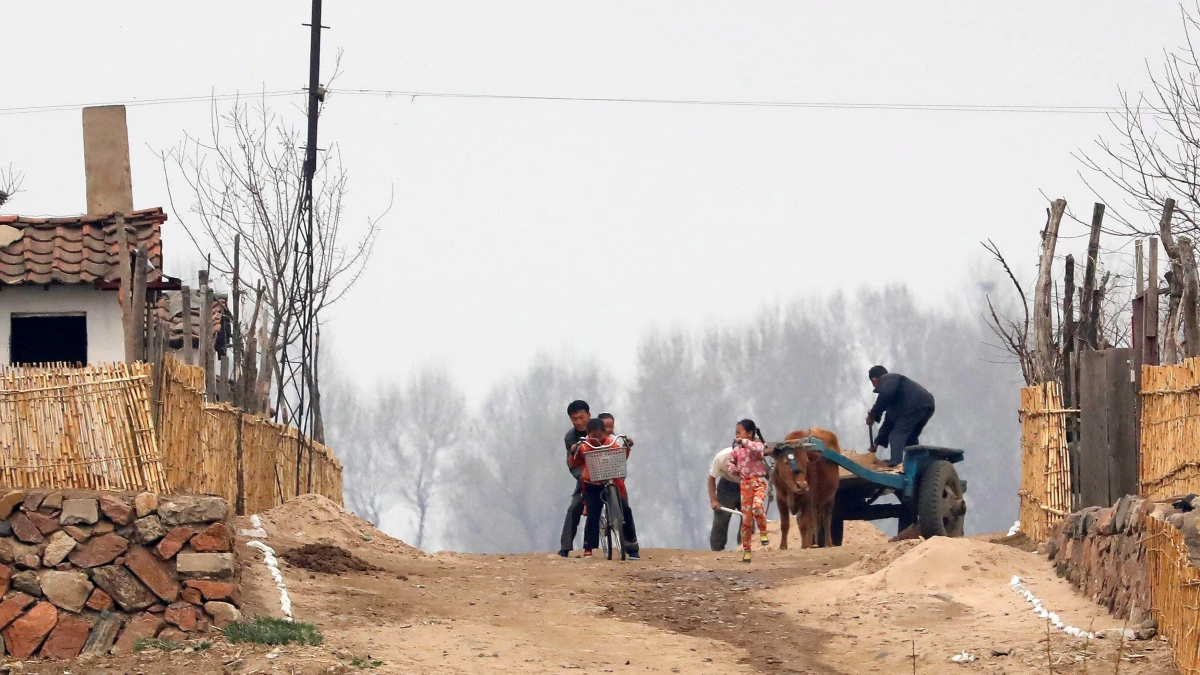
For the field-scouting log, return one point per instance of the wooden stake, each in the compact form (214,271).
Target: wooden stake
(1068,342)
(237,316)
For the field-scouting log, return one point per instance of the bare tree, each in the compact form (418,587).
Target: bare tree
(368,479)
(1154,154)
(414,428)
(10,184)
(243,181)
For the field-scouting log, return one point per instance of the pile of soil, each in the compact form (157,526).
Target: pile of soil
(315,519)
(327,559)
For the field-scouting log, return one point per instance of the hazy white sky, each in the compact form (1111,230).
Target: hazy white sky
(516,223)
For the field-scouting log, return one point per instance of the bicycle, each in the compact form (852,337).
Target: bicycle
(606,466)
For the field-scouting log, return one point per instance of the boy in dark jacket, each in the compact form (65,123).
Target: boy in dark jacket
(903,406)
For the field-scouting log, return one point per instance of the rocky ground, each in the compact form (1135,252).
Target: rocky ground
(865,607)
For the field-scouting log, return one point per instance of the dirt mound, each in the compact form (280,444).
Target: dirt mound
(873,562)
(316,519)
(327,559)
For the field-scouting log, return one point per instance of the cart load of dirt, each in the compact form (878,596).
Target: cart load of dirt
(327,559)
(318,520)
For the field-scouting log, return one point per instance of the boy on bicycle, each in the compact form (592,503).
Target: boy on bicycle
(598,438)
(610,426)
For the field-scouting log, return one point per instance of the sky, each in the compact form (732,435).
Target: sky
(576,227)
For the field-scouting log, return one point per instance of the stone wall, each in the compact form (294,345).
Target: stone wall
(94,572)
(1102,552)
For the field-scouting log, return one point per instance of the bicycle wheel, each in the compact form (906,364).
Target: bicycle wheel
(616,516)
(605,534)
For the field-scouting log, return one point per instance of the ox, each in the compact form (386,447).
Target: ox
(805,485)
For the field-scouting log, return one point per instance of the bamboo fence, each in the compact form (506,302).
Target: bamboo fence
(86,428)
(1174,593)
(252,462)
(1045,464)
(1170,441)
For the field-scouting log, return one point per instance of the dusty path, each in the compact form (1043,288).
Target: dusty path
(861,608)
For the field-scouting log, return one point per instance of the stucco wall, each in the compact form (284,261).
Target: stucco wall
(105,336)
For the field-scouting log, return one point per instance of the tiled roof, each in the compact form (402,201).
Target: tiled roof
(169,312)
(75,250)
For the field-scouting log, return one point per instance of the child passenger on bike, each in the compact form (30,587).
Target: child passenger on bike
(748,463)
(598,438)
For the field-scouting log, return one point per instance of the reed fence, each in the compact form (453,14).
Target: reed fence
(1045,464)
(1170,442)
(1174,593)
(214,448)
(87,428)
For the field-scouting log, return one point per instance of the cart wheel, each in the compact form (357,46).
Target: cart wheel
(941,510)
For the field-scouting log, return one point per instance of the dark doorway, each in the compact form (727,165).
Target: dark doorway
(48,339)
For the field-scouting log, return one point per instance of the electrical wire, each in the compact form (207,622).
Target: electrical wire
(207,98)
(413,95)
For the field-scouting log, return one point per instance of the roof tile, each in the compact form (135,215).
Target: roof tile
(77,249)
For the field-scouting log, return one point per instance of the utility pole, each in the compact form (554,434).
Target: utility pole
(303,410)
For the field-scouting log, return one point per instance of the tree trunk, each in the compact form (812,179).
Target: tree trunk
(1191,328)
(1088,329)
(1043,325)
(1068,342)
(1169,337)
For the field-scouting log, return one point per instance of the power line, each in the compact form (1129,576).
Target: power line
(207,98)
(413,95)
(834,105)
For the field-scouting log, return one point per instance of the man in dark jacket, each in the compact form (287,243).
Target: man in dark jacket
(908,407)
(580,413)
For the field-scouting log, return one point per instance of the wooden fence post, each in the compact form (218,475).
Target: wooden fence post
(240,503)
(138,304)
(1068,343)
(206,336)
(125,287)
(186,294)
(1150,309)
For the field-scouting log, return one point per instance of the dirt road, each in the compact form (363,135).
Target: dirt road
(861,608)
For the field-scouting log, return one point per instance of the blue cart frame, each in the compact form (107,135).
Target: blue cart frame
(928,489)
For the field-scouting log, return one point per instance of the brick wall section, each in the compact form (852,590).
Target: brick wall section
(94,572)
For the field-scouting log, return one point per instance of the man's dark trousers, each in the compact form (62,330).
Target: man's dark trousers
(729,495)
(907,432)
(571,523)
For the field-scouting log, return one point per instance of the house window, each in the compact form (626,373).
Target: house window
(59,338)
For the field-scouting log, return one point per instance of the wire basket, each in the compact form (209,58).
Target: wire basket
(605,464)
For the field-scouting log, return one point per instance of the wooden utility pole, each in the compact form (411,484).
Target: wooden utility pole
(1043,325)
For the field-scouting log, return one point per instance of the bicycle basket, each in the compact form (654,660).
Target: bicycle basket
(605,464)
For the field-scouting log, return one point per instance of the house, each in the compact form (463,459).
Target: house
(58,283)
(60,277)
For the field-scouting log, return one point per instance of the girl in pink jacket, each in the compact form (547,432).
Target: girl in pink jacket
(747,462)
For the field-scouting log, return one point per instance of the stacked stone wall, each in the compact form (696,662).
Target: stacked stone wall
(84,572)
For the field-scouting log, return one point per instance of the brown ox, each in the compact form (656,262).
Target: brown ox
(810,494)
